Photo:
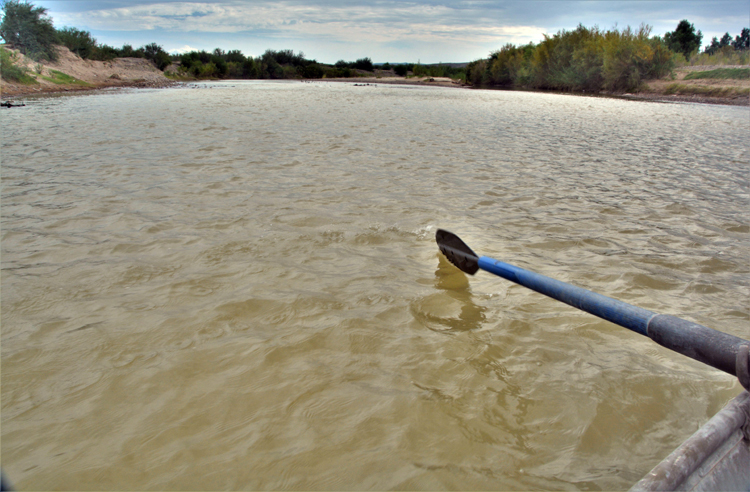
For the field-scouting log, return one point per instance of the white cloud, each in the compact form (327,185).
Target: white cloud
(184,49)
(381,21)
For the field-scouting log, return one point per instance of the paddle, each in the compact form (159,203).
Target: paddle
(717,349)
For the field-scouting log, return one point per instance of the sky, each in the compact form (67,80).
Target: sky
(426,31)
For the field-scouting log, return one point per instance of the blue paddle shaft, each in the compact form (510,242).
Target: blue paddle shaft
(712,347)
(618,312)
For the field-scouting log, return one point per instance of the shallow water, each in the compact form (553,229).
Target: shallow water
(237,286)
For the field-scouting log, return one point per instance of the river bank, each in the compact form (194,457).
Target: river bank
(72,73)
(673,88)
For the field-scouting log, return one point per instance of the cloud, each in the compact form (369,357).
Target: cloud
(376,21)
(383,29)
(184,49)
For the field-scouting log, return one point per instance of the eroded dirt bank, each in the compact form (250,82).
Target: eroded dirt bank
(82,74)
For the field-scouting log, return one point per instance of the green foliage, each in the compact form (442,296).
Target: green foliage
(742,40)
(235,56)
(29,29)
(79,42)
(338,73)
(721,73)
(129,52)
(725,56)
(156,54)
(364,64)
(585,59)
(477,73)
(204,65)
(10,71)
(313,71)
(105,52)
(401,70)
(630,57)
(250,69)
(684,39)
(361,64)
(61,78)
(83,44)
(284,64)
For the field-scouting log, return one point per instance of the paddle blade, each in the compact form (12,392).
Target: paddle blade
(457,251)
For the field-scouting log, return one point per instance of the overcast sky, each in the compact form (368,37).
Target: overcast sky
(429,31)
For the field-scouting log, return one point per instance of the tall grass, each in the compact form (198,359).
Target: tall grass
(585,59)
(721,73)
(724,56)
(692,90)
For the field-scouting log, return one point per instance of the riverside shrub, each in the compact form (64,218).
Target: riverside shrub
(585,59)
(29,29)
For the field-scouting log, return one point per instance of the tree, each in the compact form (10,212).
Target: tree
(401,70)
(713,47)
(364,64)
(725,40)
(156,54)
(235,56)
(684,39)
(79,42)
(742,42)
(29,29)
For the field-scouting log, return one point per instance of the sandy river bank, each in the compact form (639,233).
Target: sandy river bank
(82,75)
(138,72)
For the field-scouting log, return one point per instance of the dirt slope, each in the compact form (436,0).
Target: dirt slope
(90,74)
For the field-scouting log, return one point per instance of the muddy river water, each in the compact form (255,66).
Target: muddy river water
(236,286)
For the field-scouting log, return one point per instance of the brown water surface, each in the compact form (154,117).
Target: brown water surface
(237,286)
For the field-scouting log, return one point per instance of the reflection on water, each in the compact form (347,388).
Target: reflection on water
(451,307)
(251,296)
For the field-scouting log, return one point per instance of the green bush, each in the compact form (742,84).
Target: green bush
(631,56)
(364,64)
(79,42)
(29,29)
(313,71)
(582,59)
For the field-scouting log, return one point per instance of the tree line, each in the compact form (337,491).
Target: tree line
(591,59)
(588,59)
(29,29)
(281,64)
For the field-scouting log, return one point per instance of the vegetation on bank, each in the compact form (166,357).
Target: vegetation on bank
(590,59)
(282,64)
(720,73)
(693,90)
(11,71)
(57,77)
(585,59)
